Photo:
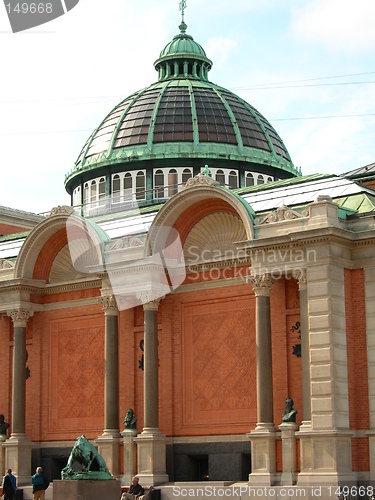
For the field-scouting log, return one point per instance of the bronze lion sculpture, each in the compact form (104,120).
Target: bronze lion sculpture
(93,464)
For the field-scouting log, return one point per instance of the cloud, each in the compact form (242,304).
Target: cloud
(341,26)
(219,49)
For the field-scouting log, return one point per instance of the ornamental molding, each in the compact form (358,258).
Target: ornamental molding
(6,264)
(60,210)
(20,317)
(261,283)
(301,276)
(125,242)
(281,214)
(200,180)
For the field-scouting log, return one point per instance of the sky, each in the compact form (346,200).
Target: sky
(308,66)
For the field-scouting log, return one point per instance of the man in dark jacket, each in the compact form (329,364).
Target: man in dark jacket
(9,485)
(135,491)
(40,484)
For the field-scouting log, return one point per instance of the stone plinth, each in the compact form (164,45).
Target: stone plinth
(263,455)
(151,446)
(18,457)
(130,455)
(109,448)
(93,490)
(288,437)
(2,455)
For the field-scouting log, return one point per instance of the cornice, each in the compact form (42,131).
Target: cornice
(40,288)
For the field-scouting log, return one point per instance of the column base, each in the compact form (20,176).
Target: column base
(326,458)
(151,446)
(18,457)
(109,448)
(130,454)
(263,455)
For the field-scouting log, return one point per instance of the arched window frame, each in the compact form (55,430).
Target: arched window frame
(166,189)
(226,172)
(124,187)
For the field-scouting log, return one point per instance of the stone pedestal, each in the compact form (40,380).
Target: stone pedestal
(289,474)
(130,455)
(93,490)
(3,438)
(18,457)
(151,446)
(109,448)
(263,455)
(326,458)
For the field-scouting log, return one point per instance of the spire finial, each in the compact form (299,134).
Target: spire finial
(182,7)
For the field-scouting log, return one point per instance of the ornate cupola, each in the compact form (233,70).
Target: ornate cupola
(149,145)
(183,57)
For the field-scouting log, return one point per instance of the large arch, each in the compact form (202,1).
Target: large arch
(200,198)
(46,241)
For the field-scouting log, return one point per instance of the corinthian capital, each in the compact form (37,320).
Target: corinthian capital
(301,276)
(20,317)
(109,305)
(150,300)
(262,284)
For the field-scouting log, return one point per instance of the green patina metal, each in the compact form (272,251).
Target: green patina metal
(182,65)
(93,464)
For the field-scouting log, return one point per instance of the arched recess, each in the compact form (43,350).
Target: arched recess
(190,206)
(57,235)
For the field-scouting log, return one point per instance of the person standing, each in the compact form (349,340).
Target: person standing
(40,484)
(9,486)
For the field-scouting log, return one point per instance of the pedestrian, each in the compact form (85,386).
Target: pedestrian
(40,484)
(9,486)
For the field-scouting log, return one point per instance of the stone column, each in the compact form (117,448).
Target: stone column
(263,449)
(151,444)
(109,442)
(18,447)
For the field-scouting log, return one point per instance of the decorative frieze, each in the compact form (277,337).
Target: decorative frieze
(200,180)
(60,210)
(282,213)
(6,264)
(126,242)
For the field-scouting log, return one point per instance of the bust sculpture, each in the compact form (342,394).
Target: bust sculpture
(289,414)
(3,425)
(130,420)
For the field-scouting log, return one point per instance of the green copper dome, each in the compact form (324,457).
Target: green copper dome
(182,120)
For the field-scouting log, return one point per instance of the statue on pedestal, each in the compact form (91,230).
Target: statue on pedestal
(3,425)
(94,466)
(289,414)
(130,421)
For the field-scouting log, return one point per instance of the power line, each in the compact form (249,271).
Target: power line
(326,117)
